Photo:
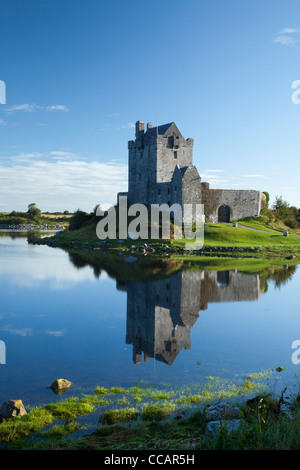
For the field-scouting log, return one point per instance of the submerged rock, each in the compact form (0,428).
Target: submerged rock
(60,385)
(12,408)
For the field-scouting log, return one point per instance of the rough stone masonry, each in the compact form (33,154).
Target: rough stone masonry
(161,171)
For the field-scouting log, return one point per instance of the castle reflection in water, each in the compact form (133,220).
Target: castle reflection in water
(161,313)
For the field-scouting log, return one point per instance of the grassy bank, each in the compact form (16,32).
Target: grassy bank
(225,247)
(147,417)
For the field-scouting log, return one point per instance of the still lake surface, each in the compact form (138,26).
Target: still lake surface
(60,317)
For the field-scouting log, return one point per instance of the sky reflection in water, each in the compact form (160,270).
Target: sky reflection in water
(62,317)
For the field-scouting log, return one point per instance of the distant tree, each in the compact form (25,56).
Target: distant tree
(66,212)
(33,211)
(285,212)
(280,204)
(78,219)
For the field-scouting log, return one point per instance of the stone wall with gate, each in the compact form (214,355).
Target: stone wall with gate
(231,204)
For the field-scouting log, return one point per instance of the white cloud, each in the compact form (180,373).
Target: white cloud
(59,181)
(55,332)
(289,31)
(254,176)
(31,108)
(17,331)
(213,171)
(57,107)
(284,38)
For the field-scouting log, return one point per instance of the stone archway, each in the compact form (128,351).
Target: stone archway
(224,214)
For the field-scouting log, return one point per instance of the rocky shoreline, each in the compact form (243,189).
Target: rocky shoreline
(146,249)
(31,227)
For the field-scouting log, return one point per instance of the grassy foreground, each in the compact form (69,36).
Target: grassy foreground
(147,417)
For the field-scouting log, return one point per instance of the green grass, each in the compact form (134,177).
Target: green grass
(119,416)
(69,409)
(18,428)
(220,235)
(159,417)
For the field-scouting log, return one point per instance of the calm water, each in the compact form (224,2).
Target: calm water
(63,316)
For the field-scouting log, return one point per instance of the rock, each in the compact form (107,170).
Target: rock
(12,408)
(221,410)
(213,428)
(60,385)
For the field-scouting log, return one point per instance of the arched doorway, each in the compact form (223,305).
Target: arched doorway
(224,214)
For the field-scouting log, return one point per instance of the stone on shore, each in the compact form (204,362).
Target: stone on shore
(213,428)
(222,410)
(12,408)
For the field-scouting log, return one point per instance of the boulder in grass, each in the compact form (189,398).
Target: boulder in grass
(222,410)
(60,385)
(213,428)
(12,408)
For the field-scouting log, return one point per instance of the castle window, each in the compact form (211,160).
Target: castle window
(168,190)
(158,192)
(175,154)
(171,141)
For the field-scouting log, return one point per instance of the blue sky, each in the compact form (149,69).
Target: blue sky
(79,73)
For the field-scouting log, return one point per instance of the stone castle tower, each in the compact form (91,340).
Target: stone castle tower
(161,171)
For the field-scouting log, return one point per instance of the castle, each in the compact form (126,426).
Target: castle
(161,171)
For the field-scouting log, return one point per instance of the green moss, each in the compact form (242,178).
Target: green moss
(70,409)
(101,390)
(119,416)
(14,429)
(161,395)
(106,391)
(59,431)
(152,412)
(95,400)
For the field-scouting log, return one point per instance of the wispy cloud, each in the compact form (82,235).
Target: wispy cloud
(31,108)
(57,107)
(17,331)
(289,30)
(254,176)
(287,37)
(55,332)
